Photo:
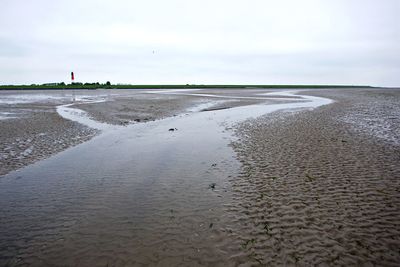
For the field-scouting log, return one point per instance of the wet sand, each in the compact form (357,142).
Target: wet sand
(140,107)
(150,105)
(321,187)
(299,187)
(32,130)
(37,133)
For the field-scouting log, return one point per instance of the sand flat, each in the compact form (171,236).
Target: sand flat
(228,186)
(319,188)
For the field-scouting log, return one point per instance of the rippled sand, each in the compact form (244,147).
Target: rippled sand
(316,188)
(299,187)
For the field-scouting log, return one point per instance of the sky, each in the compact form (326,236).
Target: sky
(353,42)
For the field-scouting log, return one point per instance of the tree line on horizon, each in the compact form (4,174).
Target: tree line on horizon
(108,85)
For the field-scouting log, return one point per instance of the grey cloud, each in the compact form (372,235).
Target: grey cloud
(290,41)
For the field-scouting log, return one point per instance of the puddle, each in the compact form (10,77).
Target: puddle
(26,98)
(8,115)
(135,194)
(14,98)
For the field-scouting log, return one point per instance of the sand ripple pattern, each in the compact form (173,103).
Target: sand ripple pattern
(314,192)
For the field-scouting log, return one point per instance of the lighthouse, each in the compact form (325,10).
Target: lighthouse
(73,91)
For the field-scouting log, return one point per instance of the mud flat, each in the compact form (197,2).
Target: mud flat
(321,187)
(150,105)
(35,132)
(139,107)
(32,130)
(313,183)
(142,194)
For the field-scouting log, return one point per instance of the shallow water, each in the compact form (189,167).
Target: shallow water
(7,115)
(139,194)
(81,116)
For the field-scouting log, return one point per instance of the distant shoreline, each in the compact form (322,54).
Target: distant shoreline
(94,86)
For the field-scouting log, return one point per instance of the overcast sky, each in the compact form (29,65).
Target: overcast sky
(201,41)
